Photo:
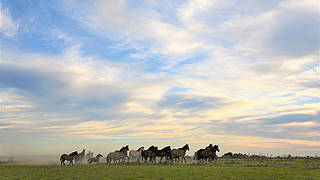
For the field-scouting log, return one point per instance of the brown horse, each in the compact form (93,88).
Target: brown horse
(70,157)
(118,155)
(207,154)
(180,152)
(150,153)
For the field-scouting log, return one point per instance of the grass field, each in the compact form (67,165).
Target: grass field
(156,172)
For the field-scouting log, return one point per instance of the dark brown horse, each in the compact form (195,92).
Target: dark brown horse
(164,152)
(70,157)
(150,153)
(207,154)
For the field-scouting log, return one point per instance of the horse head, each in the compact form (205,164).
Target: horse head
(209,147)
(141,149)
(99,156)
(216,147)
(124,149)
(186,147)
(151,147)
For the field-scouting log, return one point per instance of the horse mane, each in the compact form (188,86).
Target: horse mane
(124,149)
(209,147)
(151,147)
(74,153)
(216,147)
(98,155)
(184,147)
(167,147)
(140,148)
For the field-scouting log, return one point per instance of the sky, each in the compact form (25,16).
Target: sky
(101,74)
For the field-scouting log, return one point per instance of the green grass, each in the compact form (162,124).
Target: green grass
(155,172)
(270,161)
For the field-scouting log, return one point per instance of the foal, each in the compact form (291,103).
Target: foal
(95,159)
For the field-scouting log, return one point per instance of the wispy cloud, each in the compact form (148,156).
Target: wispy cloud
(7,25)
(168,72)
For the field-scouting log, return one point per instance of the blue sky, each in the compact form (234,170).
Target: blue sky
(101,74)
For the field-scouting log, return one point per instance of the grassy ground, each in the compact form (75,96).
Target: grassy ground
(270,161)
(155,172)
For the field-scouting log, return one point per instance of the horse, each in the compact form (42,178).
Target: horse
(70,157)
(207,154)
(81,156)
(118,155)
(150,153)
(164,152)
(95,159)
(180,152)
(135,154)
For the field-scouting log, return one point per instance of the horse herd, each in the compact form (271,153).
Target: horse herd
(208,154)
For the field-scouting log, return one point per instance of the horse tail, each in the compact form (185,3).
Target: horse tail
(62,157)
(195,156)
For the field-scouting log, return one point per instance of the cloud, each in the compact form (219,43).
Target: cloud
(291,118)
(182,102)
(189,71)
(7,25)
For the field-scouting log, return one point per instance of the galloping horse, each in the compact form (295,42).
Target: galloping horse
(95,159)
(118,155)
(135,154)
(70,157)
(207,154)
(164,152)
(180,152)
(150,153)
(81,156)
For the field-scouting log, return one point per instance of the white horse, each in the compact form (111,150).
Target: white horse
(135,154)
(80,157)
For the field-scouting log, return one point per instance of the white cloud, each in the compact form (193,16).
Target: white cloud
(236,85)
(7,26)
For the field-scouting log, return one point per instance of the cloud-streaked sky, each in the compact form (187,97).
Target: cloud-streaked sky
(103,74)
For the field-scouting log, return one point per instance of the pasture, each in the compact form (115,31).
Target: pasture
(175,171)
(224,168)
